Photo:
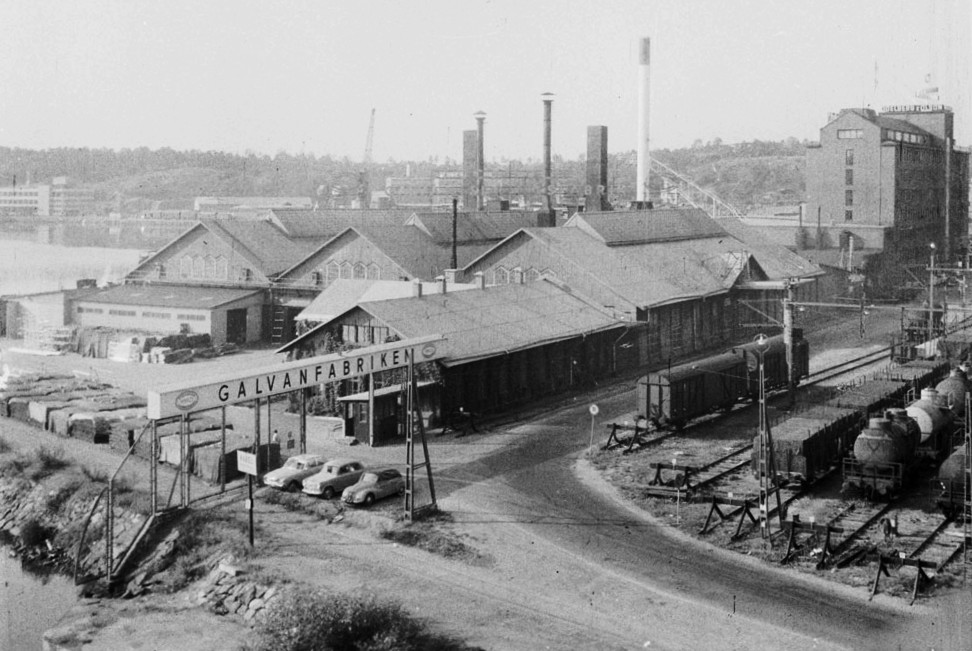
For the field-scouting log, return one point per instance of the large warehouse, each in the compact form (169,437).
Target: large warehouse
(227,315)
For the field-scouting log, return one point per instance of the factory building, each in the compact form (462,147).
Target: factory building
(891,183)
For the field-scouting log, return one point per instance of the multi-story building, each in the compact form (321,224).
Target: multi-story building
(25,200)
(68,200)
(59,199)
(892,182)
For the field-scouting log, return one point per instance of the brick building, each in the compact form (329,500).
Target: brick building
(881,180)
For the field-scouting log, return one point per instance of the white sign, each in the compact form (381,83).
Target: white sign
(246,462)
(284,378)
(594,410)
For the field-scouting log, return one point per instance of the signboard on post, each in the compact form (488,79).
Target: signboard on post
(283,378)
(246,462)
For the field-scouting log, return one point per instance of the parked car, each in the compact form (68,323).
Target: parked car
(297,468)
(375,485)
(333,477)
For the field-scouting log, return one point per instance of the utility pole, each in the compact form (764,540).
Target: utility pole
(931,294)
(788,341)
(767,459)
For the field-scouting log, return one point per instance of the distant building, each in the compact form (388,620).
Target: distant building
(59,199)
(880,178)
(231,204)
(25,200)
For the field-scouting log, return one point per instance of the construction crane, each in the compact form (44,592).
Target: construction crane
(371,138)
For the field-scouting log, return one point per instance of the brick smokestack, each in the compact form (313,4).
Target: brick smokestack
(551,217)
(597,169)
(480,163)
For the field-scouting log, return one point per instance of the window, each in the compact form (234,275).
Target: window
(185,267)
(199,268)
(848,197)
(121,312)
(210,266)
(848,177)
(222,269)
(846,134)
(333,271)
(848,215)
(347,270)
(317,278)
(374,272)
(191,317)
(532,275)
(502,276)
(849,157)
(359,270)
(156,315)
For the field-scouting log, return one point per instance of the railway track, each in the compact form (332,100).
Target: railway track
(673,480)
(848,367)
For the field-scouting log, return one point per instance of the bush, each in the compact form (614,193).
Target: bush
(33,533)
(310,620)
(46,462)
(4,446)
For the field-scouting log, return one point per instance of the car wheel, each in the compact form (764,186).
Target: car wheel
(292,487)
(369,499)
(328,493)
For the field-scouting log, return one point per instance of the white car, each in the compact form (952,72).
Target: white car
(333,477)
(297,468)
(375,485)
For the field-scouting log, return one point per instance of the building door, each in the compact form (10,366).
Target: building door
(236,326)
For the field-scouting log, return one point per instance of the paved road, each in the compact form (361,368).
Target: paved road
(539,488)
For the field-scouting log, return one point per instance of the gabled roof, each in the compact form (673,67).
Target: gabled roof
(174,296)
(345,293)
(265,243)
(473,226)
(626,227)
(260,242)
(409,247)
(322,225)
(489,321)
(777,261)
(627,282)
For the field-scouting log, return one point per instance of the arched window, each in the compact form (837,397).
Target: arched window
(222,268)
(502,276)
(548,273)
(198,267)
(333,271)
(374,272)
(532,275)
(210,266)
(347,271)
(359,270)
(185,267)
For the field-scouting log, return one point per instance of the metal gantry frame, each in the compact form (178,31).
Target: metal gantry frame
(410,466)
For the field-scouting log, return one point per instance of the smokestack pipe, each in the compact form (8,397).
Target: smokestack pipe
(644,78)
(547,175)
(480,162)
(455,220)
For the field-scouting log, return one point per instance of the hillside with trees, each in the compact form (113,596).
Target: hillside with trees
(745,174)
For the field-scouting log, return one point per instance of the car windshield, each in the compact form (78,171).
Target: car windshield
(294,463)
(369,478)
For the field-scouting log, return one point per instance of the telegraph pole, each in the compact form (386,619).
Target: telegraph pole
(788,341)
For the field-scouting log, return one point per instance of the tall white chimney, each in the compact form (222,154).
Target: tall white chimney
(644,79)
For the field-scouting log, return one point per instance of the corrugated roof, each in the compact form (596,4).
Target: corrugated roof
(200,298)
(473,226)
(485,322)
(625,227)
(325,224)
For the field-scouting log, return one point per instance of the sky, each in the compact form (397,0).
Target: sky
(304,75)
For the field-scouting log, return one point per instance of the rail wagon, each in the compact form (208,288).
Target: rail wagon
(674,396)
(807,444)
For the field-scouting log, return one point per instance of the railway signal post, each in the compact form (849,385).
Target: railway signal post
(767,460)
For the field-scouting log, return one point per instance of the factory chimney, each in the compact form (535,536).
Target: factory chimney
(547,175)
(644,158)
(480,162)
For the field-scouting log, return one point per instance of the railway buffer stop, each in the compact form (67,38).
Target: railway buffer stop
(181,402)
